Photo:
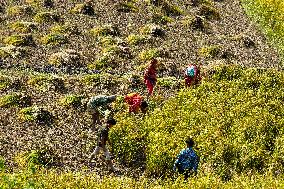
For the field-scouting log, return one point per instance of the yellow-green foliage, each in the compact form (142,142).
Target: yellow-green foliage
(83,8)
(149,54)
(49,179)
(209,51)
(11,51)
(20,10)
(161,19)
(169,82)
(54,39)
(43,17)
(105,31)
(40,81)
(107,41)
(209,12)
(23,27)
(235,116)
(35,114)
(5,82)
(68,57)
(126,7)
(270,15)
(91,79)
(64,29)
(14,100)
(19,40)
(71,101)
(136,39)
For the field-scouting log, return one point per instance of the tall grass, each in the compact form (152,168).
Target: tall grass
(270,15)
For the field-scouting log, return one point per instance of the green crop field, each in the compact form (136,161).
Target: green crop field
(54,55)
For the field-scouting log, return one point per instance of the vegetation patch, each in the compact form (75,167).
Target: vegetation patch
(67,58)
(71,101)
(23,27)
(150,54)
(36,114)
(20,10)
(105,31)
(161,19)
(54,39)
(46,17)
(83,8)
(209,12)
(19,40)
(64,29)
(126,7)
(12,51)
(133,39)
(5,82)
(222,114)
(152,29)
(209,51)
(41,3)
(13,100)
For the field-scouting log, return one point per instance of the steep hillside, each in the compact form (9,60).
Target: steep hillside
(53,55)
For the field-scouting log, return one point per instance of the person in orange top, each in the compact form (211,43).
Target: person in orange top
(192,75)
(136,102)
(150,76)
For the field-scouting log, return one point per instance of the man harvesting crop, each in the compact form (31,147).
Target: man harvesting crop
(98,106)
(101,142)
(187,160)
(192,75)
(136,102)
(150,76)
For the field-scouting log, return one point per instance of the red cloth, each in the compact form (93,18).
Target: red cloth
(150,78)
(134,101)
(189,81)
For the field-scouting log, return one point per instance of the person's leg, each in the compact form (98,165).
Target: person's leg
(95,153)
(95,119)
(109,162)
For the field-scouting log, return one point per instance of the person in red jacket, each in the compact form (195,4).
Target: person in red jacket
(136,102)
(150,76)
(192,75)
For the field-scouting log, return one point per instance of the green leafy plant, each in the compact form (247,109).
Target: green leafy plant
(23,27)
(209,51)
(20,10)
(35,114)
(19,40)
(71,101)
(136,39)
(149,54)
(105,31)
(54,39)
(12,100)
(46,17)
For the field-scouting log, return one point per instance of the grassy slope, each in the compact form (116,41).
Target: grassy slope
(269,15)
(74,130)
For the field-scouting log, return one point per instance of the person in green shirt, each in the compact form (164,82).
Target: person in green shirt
(99,107)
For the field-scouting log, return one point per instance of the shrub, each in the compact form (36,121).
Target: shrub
(66,58)
(20,10)
(233,131)
(152,29)
(39,3)
(196,23)
(168,82)
(19,40)
(71,101)
(23,27)
(54,39)
(209,51)
(15,100)
(105,31)
(12,51)
(209,12)
(91,79)
(149,54)
(46,17)
(5,82)
(36,114)
(126,7)
(83,8)
(136,39)
(161,19)
(64,29)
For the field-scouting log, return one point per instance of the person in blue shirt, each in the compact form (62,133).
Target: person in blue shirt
(187,161)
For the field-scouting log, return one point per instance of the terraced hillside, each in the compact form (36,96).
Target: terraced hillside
(56,53)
